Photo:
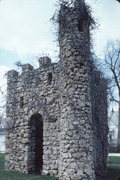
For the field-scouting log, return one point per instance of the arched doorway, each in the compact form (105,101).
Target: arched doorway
(35,151)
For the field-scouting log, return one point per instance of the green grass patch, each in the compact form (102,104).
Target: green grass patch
(114,160)
(6,175)
(10,175)
(2,159)
(113,172)
(113,168)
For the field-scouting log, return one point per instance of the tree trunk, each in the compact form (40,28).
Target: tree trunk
(118,137)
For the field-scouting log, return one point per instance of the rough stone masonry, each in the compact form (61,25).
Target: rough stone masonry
(57,114)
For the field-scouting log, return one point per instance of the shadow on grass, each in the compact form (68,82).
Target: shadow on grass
(6,175)
(113,168)
(12,175)
(113,173)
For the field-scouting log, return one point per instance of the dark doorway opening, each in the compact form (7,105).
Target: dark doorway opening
(35,159)
(49,78)
(80,26)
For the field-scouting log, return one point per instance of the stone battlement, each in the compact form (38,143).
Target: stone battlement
(45,74)
(44,62)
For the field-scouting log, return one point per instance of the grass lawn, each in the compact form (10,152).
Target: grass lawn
(113,171)
(6,175)
(113,168)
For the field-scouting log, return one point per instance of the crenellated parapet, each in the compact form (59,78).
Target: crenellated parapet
(44,61)
(28,71)
(12,76)
(27,68)
(12,73)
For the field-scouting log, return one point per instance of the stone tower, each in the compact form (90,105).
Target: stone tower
(76,145)
(58,112)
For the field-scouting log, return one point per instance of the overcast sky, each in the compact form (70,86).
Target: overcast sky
(26,31)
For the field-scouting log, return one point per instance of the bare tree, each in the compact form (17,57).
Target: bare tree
(112,62)
(118,0)
(0,120)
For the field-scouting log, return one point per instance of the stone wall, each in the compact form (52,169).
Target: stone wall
(38,95)
(69,99)
(100,124)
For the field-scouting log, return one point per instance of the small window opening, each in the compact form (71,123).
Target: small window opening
(50,78)
(72,69)
(81,64)
(21,102)
(80,26)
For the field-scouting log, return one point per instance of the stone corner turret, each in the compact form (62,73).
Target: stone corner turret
(12,76)
(44,61)
(12,73)
(27,67)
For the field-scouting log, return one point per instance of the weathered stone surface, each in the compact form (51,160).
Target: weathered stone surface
(59,111)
